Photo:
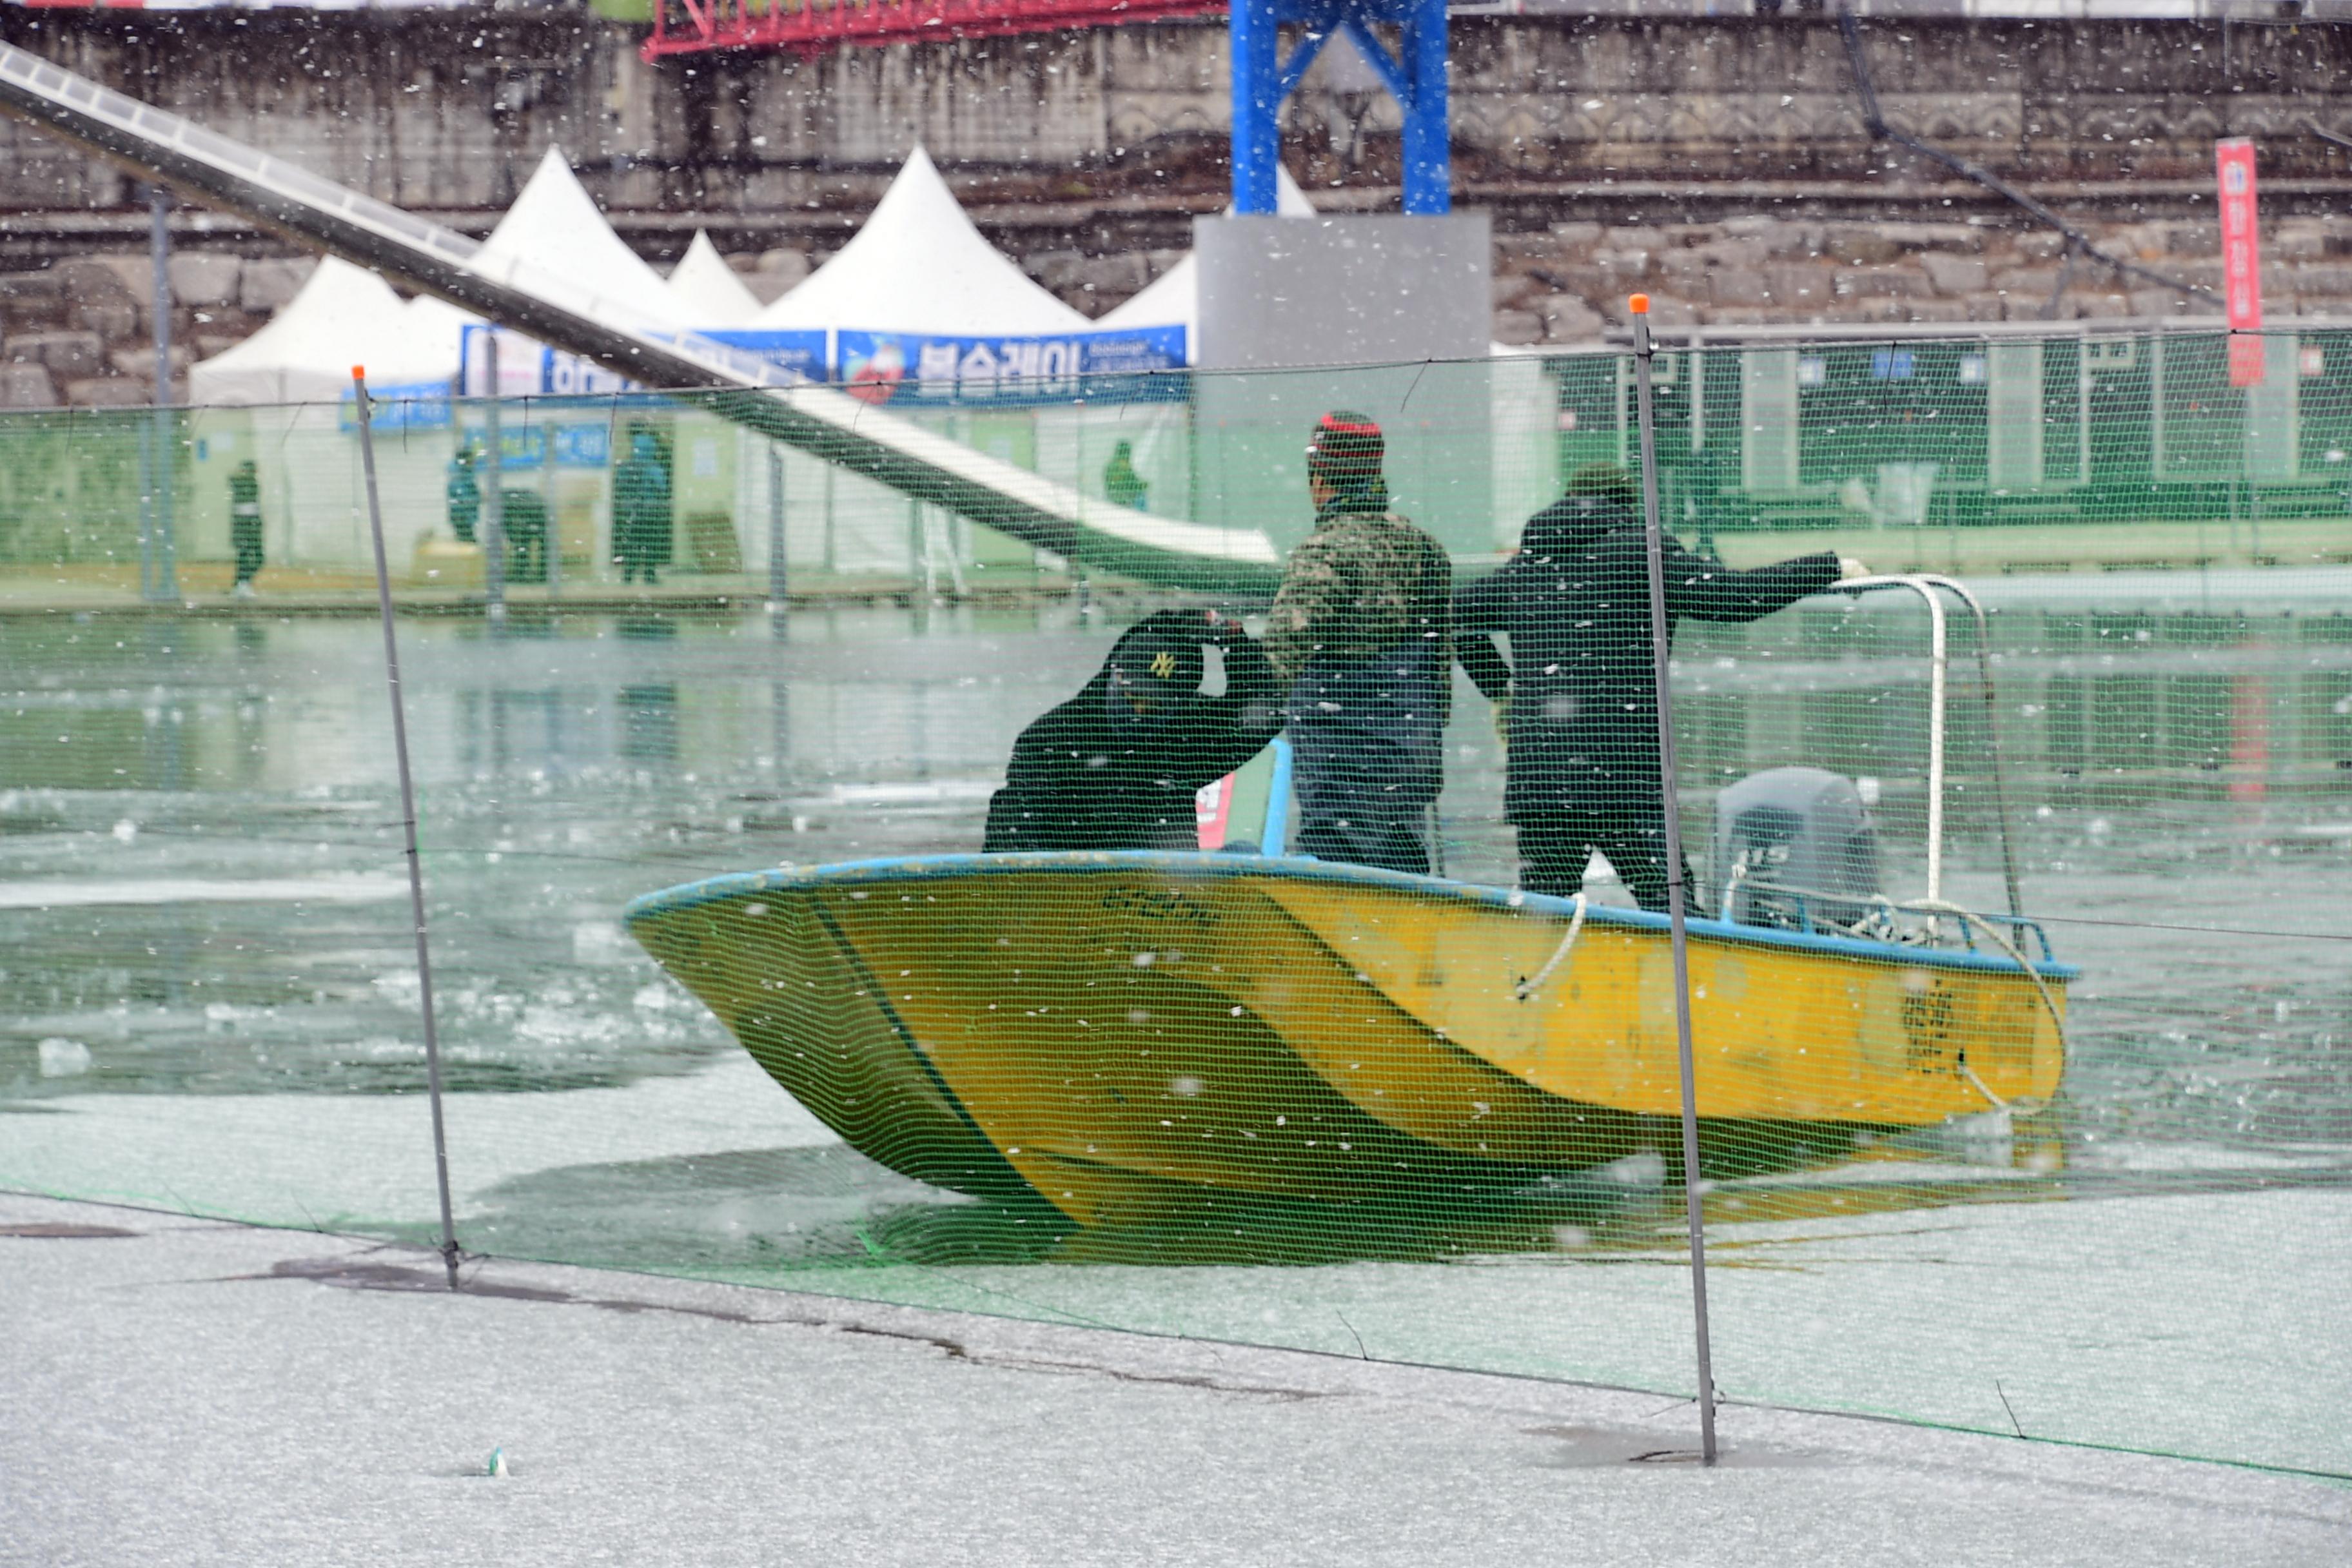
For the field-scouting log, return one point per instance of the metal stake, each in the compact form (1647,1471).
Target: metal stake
(780,576)
(449,1254)
(494,497)
(159,563)
(1661,634)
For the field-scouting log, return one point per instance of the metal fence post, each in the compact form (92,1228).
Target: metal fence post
(1670,812)
(449,1254)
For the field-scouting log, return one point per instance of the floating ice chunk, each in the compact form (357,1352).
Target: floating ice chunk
(1647,1169)
(61,1058)
(125,831)
(601,942)
(653,999)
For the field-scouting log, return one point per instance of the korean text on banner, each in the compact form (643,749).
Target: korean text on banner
(2242,259)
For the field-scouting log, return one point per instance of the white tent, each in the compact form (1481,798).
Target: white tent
(344,315)
(1173,298)
(919,267)
(555,243)
(707,290)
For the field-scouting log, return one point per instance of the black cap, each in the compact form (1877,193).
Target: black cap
(1152,661)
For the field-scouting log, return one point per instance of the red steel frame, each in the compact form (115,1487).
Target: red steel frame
(814,26)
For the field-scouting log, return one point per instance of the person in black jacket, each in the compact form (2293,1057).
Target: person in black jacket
(1583,769)
(1116,766)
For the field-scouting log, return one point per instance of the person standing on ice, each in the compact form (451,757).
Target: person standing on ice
(1582,707)
(641,510)
(244,526)
(464,494)
(1116,766)
(1361,636)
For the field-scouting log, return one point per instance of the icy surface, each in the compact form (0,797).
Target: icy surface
(196,1393)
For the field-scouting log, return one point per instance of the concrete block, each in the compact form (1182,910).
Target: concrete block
(1740,286)
(1639,238)
(65,355)
(1879,283)
(1794,286)
(113,323)
(1685,272)
(269,283)
(141,361)
(2152,303)
(2324,279)
(1859,245)
(31,302)
(1966,238)
(1518,327)
(1618,266)
(2041,245)
(205,278)
(1509,290)
(778,271)
(1576,235)
(1955,275)
(108,392)
(1567,319)
(26,386)
(86,280)
(1748,251)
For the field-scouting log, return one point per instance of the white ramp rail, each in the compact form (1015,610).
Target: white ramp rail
(218,172)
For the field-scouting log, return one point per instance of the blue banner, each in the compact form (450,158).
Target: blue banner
(419,406)
(911,368)
(803,353)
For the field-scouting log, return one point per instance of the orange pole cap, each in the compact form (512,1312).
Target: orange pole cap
(1639,304)
(359,373)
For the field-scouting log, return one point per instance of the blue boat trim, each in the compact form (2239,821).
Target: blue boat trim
(1170,862)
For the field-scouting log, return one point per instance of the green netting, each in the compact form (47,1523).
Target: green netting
(1282,1102)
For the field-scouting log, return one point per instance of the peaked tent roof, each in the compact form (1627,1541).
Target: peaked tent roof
(554,240)
(706,289)
(342,316)
(918,265)
(1173,298)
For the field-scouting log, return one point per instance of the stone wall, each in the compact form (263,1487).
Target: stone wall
(1720,164)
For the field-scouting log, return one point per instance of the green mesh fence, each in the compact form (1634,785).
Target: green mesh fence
(727,988)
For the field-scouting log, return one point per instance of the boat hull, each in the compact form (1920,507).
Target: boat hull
(1137,1037)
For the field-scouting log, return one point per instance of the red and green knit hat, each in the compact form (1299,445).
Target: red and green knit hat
(1346,448)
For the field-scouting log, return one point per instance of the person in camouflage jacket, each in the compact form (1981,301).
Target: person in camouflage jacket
(1361,633)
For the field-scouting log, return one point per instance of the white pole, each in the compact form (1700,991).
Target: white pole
(1670,812)
(449,1254)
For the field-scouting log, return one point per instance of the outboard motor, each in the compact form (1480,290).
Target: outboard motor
(1793,843)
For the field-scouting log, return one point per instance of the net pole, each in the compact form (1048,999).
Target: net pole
(493,515)
(449,1254)
(1670,814)
(780,575)
(159,250)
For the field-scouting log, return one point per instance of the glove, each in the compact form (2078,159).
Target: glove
(1849,569)
(1225,630)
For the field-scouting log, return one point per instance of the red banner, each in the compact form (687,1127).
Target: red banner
(2242,259)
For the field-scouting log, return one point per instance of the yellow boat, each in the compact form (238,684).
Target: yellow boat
(1129,1034)
(1143,1037)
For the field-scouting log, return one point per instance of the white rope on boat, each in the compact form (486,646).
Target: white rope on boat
(1529,987)
(2049,1002)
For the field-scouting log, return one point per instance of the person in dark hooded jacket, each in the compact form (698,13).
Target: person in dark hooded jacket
(1116,766)
(1583,770)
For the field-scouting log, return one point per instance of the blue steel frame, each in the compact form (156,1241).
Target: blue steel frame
(1262,79)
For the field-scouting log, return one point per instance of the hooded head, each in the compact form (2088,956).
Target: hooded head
(1600,496)
(1343,458)
(1151,673)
